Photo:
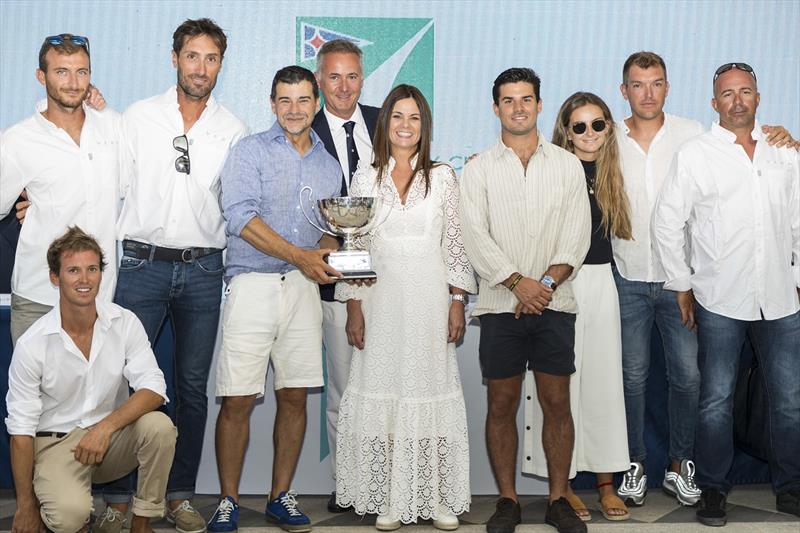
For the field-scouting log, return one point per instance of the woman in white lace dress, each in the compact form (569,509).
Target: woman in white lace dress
(402,446)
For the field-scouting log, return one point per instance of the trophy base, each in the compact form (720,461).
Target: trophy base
(352,264)
(361,274)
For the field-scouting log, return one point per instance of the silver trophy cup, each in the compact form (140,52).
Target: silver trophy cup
(347,217)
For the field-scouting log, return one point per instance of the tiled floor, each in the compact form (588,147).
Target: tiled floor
(751,508)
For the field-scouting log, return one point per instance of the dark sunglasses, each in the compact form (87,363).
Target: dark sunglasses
(58,40)
(738,66)
(181,144)
(598,125)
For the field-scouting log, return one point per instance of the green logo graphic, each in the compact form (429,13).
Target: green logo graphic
(396,50)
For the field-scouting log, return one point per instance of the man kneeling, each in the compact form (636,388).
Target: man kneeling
(70,416)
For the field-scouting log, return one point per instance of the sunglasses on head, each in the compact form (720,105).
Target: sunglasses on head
(744,67)
(58,40)
(598,125)
(181,144)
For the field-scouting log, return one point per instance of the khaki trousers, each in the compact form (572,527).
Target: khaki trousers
(63,486)
(24,313)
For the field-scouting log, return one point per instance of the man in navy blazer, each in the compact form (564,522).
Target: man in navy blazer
(346,128)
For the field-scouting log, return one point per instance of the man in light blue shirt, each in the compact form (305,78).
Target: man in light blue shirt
(272,310)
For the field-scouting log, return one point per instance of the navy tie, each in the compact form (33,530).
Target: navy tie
(352,153)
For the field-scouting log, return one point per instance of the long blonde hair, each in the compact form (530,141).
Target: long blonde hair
(609,190)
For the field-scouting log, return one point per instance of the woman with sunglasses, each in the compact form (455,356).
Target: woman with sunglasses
(584,126)
(402,445)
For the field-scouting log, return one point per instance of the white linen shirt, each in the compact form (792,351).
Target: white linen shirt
(163,206)
(518,220)
(53,387)
(744,223)
(339,135)
(67,185)
(644,174)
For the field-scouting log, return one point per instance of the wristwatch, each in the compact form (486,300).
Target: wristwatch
(549,282)
(463,298)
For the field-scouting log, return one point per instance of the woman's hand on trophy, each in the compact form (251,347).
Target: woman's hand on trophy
(313,265)
(355,324)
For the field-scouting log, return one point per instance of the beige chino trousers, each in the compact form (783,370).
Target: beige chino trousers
(63,486)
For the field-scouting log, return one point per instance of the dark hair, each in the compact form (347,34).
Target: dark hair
(338,46)
(293,75)
(381,146)
(514,75)
(74,240)
(192,28)
(67,48)
(642,60)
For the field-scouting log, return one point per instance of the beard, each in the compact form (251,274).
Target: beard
(65,100)
(186,85)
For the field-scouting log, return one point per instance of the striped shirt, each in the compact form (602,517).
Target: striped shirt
(518,221)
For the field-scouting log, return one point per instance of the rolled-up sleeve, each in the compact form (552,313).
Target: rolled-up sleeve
(241,187)
(487,258)
(141,369)
(672,210)
(23,400)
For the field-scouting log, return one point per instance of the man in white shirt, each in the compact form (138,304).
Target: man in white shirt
(346,128)
(739,198)
(648,141)
(65,155)
(526,222)
(172,235)
(70,416)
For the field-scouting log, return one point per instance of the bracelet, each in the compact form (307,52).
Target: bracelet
(515,282)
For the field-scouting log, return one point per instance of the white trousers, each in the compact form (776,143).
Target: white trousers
(597,397)
(338,354)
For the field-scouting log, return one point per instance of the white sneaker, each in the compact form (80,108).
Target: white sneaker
(681,485)
(446,521)
(633,489)
(387,522)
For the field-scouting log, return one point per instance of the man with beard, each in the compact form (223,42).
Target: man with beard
(272,311)
(65,155)
(738,197)
(172,236)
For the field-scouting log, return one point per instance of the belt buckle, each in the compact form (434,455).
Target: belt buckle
(184,253)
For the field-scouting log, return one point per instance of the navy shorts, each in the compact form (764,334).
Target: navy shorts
(544,343)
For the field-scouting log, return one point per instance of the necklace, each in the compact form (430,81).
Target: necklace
(590,185)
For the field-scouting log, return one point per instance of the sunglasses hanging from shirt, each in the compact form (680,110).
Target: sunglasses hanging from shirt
(181,144)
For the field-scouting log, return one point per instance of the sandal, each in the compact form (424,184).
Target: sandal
(579,507)
(613,502)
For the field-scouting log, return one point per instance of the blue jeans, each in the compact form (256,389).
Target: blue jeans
(777,346)
(640,305)
(190,294)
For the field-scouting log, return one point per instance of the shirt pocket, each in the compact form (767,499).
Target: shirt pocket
(777,184)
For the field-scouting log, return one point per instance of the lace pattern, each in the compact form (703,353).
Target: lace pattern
(402,443)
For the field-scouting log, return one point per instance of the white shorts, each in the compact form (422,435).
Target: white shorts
(267,317)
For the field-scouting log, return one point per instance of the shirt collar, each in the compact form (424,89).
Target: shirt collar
(170,98)
(500,149)
(275,133)
(335,123)
(41,107)
(728,136)
(106,313)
